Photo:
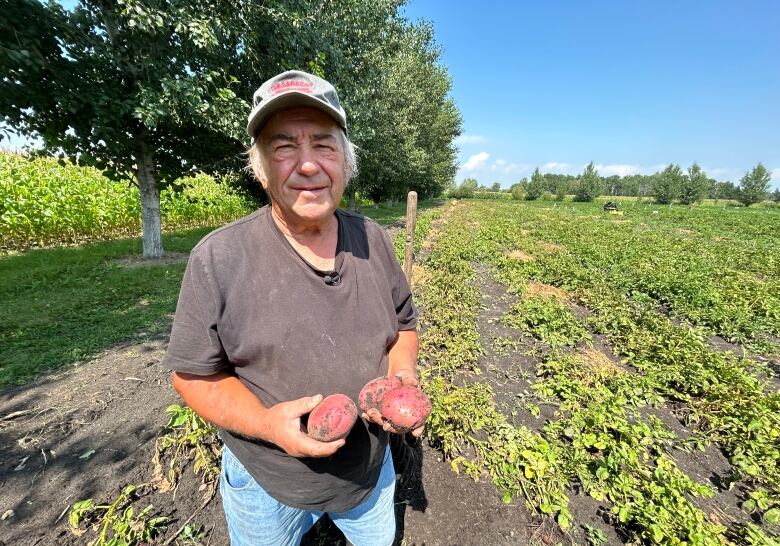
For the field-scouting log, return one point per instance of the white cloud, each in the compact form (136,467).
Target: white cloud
(516,168)
(554,166)
(470,139)
(620,170)
(497,164)
(475,161)
(719,171)
(776,174)
(504,166)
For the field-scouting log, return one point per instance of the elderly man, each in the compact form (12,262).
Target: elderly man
(296,301)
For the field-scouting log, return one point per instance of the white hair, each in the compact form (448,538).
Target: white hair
(350,159)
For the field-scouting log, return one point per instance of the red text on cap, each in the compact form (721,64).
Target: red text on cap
(301,86)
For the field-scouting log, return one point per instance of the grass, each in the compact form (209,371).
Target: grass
(386,214)
(63,305)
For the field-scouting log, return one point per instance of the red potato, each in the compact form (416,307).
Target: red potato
(332,419)
(406,408)
(373,393)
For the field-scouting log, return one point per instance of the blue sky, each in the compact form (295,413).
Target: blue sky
(628,85)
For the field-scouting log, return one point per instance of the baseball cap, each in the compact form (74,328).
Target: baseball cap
(291,89)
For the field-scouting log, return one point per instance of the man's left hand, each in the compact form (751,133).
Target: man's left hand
(408,379)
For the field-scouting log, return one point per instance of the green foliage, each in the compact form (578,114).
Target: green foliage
(667,184)
(124,76)
(600,438)
(496,195)
(754,186)
(590,185)
(191,534)
(118,522)
(518,191)
(536,187)
(594,536)
(396,92)
(547,319)
(465,190)
(694,186)
(762,502)
(776,196)
(154,92)
(45,202)
(188,437)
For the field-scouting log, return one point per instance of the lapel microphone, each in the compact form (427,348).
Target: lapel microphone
(332,279)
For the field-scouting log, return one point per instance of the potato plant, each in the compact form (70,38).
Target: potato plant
(652,289)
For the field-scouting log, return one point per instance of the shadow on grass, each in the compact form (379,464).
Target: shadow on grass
(63,305)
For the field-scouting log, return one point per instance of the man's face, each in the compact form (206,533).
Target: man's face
(303,158)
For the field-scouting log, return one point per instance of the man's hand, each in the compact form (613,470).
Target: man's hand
(408,378)
(223,400)
(284,429)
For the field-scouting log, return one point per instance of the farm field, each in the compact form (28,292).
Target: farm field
(614,372)
(611,379)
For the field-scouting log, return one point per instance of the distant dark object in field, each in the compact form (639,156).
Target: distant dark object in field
(610,206)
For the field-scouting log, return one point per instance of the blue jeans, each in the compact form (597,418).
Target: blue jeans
(254,518)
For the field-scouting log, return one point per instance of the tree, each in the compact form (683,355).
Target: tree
(694,186)
(496,186)
(666,184)
(722,190)
(590,184)
(149,91)
(776,196)
(403,120)
(465,190)
(535,187)
(754,186)
(140,90)
(518,190)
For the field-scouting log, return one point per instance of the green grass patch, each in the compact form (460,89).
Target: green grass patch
(386,215)
(66,304)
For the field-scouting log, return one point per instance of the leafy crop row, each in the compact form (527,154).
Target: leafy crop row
(43,202)
(600,441)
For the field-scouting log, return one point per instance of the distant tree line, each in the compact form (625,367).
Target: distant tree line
(670,185)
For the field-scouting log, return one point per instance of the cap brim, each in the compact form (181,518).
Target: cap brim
(292,99)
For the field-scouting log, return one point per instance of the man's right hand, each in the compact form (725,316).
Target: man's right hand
(223,400)
(283,422)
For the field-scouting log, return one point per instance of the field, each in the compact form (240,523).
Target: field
(612,368)
(605,379)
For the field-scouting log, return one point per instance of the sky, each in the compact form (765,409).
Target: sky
(631,86)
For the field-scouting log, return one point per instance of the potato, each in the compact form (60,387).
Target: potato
(332,419)
(406,408)
(373,393)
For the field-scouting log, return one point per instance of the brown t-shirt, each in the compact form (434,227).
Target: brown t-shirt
(251,305)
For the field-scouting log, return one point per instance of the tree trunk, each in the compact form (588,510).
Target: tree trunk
(150,203)
(352,205)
